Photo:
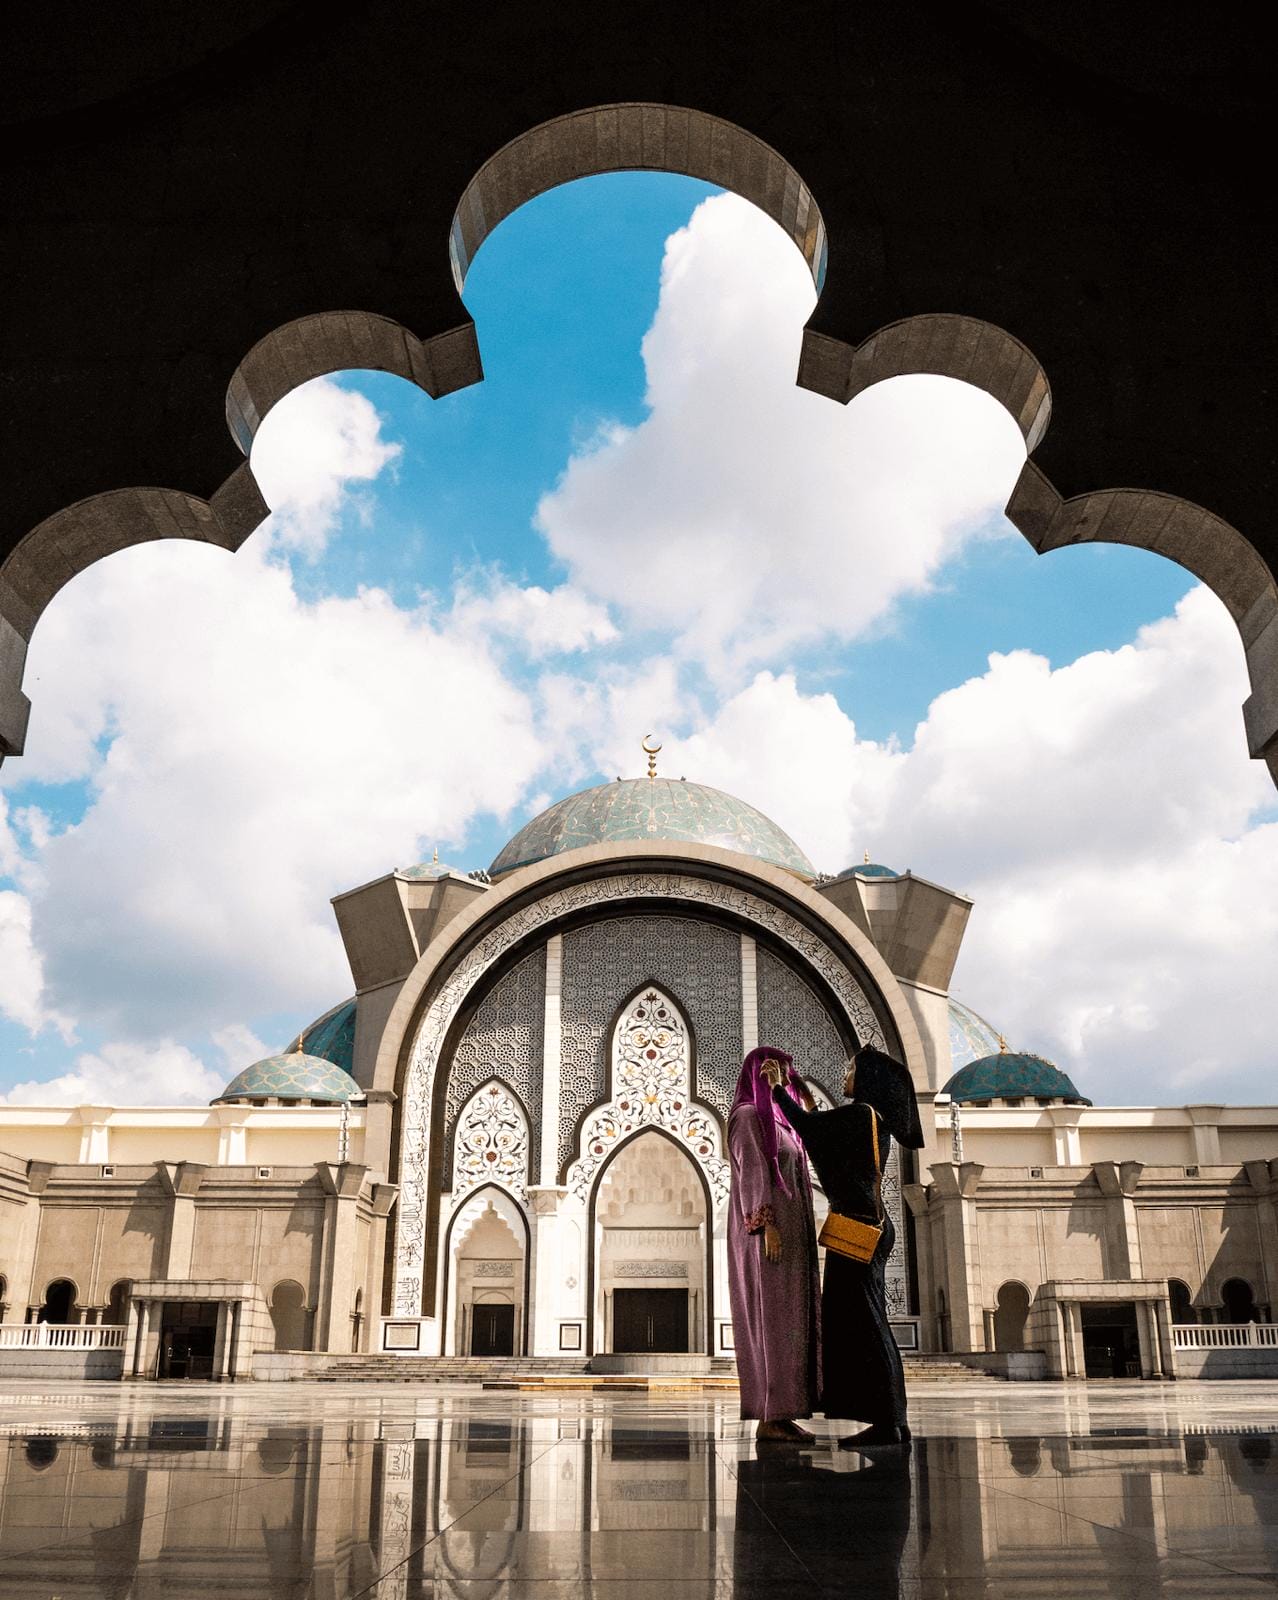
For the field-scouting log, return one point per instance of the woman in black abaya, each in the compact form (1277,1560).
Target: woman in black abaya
(862,1372)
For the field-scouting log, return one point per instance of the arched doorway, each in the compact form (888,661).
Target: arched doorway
(1010,1315)
(117,1307)
(289,1316)
(59,1302)
(487,1277)
(1239,1301)
(1182,1302)
(651,1224)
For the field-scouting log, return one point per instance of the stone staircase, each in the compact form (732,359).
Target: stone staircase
(944,1369)
(562,1373)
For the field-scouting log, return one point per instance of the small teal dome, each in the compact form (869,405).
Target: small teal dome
(865,869)
(292,1077)
(1012,1075)
(634,809)
(971,1037)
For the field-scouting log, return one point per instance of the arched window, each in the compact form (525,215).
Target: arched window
(59,1302)
(117,1311)
(41,1452)
(1240,1302)
(1182,1302)
(288,1314)
(1010,1317)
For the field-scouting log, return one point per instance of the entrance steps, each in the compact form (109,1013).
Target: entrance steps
(561,1374)
(944,1369)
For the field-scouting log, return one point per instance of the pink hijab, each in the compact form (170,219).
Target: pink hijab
(753,1090)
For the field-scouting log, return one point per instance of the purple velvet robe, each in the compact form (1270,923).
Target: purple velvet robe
(776,1306)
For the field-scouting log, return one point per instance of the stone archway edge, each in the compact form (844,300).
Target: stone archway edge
(663,138)
(419,1022)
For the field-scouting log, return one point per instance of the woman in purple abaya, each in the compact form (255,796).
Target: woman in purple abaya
(772,1258)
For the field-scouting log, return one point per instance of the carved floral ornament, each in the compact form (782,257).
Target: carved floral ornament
(650,1089)
(491,1144)
(438,1017)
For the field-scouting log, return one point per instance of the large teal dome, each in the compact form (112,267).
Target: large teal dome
(331,1037)
(292,1077)
(1012,1075)
(634,809)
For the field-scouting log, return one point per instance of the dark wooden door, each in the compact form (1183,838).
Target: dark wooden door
(492,1330)
(650,1321)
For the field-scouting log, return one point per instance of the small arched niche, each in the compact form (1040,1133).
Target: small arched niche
(487,1277)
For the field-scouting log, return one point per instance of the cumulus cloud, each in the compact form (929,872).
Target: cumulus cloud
(1105,819)
(749,516)
(122,1074)
(246,753)
(308,452)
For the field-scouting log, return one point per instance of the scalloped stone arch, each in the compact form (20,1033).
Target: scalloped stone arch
(653,137)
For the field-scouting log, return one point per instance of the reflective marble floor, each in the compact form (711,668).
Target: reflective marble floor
(325,1492)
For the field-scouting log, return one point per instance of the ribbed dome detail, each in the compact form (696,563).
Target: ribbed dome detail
(292,1077)
(1012,1075)
(636,809)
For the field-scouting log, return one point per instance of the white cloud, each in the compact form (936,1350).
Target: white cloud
(247,754)
(310,448)
(749,516)
(1104,817)
(264,753)
(165,1074)
(22,988)
(540,622)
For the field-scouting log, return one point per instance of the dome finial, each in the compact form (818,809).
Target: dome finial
(1002,1045)
(867,858)
(650,750)
(434,860)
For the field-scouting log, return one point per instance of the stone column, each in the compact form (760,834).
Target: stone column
(956,1188)
(342,1185)
(551,1060)
(232,1135)
(221,1344)
(1162,1316)
(181,1181)
(1261,1176)
(383,1201)
(991,1335)
(379,1120)
(749,994)
(548,1302)
(1205,1121)
(1066,1140)
(95,1139)
(1118,1183)
(235,1364)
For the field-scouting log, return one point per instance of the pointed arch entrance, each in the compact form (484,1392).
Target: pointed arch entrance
(651,1231)
(486,1292)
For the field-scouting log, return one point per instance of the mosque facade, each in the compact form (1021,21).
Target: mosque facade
(510,1141)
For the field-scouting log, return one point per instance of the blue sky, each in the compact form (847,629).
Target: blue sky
(466,607)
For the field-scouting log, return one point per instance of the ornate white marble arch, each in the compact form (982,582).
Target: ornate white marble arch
(431,1032)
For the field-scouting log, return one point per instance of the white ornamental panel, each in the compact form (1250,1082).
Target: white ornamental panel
(418,1086)
(491,1143)
(650,1089)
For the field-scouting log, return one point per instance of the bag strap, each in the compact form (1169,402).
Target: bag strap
(878,1167)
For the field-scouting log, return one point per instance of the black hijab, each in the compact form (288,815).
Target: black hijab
(886,1085)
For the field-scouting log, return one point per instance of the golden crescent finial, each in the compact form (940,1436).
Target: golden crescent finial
(650,749)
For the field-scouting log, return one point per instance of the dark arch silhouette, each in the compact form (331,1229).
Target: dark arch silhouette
(627,136)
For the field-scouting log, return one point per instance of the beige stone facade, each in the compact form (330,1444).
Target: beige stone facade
(521,1173)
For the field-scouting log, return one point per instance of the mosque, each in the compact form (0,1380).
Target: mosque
(510,1140)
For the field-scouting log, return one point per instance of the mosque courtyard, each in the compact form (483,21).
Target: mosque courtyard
(401,1492)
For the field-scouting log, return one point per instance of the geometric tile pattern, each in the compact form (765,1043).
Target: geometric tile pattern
(503,1040)
(697,962)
